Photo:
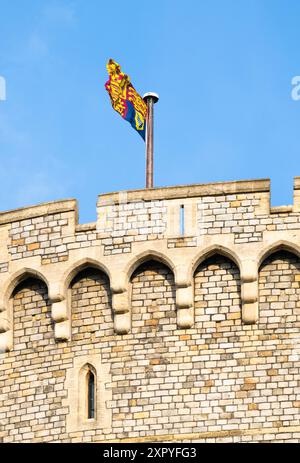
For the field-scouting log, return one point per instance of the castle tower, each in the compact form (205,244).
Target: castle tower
(174,317)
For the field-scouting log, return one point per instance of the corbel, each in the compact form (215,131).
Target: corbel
(122,317)
(249,292)
(60,313)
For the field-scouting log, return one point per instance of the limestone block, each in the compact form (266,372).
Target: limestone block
(118,282)
(184,297)
(249,292)
(249,296)
(6,341)
(54,291)
(248,270)
(62,331)
(120,302)
(264,204)
(296,207)
(190,217)
(122,323)
(59,311)
(173,221)
(185,318)
(4,323)
(120,305)
(184,305)
(250,313)
(182,274)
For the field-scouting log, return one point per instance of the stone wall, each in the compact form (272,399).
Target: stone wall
(191,336)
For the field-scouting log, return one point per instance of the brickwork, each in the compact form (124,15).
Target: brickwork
(91,307)
(31,379)
(214,377)
(241,215)
(126,223)
(279,291)
(38,236)
(191,338)
(182,242)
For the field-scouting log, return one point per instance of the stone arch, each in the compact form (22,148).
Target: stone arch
(153,299)
(89,301)
(17,278)
(6,306)
(215,249)
(217,289)
(281,245)
(77,267)
(148,255)
(279,286)
(30,310)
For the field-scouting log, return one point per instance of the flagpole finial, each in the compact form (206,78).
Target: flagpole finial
(154,96)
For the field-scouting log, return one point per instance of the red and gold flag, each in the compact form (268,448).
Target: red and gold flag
(125,99)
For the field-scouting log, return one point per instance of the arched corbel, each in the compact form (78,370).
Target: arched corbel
(249,291)
(6,333)
(184,297)
(59,312)
(59,294)
(122,317)
(4,322)
(185,307)
(6,309)
(55,292)
(120,303)
(62,322)
(6,341)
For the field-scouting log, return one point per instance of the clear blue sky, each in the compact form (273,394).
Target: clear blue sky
(223,70)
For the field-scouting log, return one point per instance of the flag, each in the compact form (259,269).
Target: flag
(125,99)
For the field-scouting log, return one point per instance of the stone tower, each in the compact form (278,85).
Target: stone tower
(174,317)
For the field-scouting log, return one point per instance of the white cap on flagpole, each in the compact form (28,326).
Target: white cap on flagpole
(151,95)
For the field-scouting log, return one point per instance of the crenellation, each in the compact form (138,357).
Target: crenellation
(190,330)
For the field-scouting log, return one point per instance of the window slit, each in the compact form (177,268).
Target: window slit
(91,395)
(182,220)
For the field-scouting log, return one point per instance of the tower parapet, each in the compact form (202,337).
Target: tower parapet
(199,280)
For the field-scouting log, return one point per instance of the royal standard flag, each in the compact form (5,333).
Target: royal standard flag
(125,99)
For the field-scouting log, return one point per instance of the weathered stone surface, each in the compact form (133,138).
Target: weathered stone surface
(190,336)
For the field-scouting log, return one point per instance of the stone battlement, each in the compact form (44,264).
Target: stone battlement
(190,266)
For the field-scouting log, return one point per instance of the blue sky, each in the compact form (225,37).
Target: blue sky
(223,70)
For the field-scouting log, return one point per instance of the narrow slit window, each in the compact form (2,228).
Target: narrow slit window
(91,395)
(182,220)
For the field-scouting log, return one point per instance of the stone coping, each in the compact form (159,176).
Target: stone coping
(281,209)
(185,191)
(84,227)
(52,207)
(153,194)
(296,183)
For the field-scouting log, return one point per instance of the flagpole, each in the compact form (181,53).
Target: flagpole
(150,98)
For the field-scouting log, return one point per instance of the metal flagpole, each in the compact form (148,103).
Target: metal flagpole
(150,98)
